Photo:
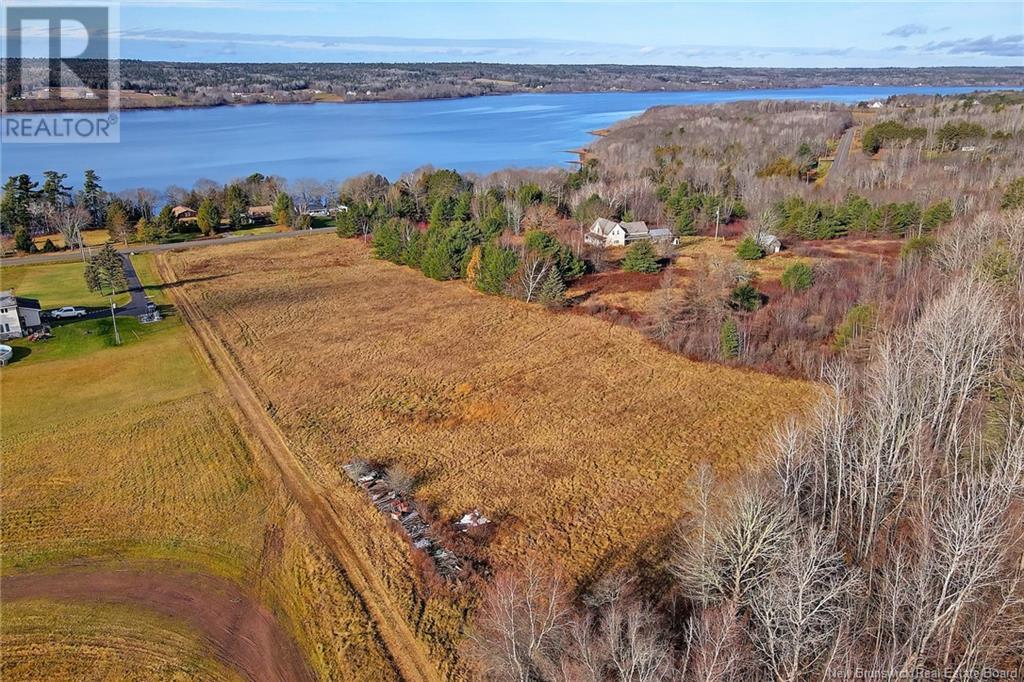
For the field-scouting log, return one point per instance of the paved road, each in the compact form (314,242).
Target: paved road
(842,154)
(149,248)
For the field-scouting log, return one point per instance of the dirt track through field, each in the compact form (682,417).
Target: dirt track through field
(405,649)
(240,632)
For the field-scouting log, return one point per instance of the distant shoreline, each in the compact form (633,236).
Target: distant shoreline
(427,98)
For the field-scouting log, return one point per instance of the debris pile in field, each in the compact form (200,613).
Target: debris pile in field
(392,503)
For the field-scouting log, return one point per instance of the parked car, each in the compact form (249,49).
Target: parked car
(68,311)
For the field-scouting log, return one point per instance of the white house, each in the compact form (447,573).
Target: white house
(875,105)
(18,315)
(606,232)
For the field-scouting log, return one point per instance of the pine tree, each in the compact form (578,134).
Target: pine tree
(104,273)
(23,240)
(552,291)
(345,224)
(730,339)
(117,221)
(283,209)
(640,258)
(92,196)
(208,217)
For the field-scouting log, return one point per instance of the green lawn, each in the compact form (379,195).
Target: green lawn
(55,285)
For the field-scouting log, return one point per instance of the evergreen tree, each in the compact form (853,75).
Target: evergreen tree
(118,224)
(18,194)
(1014,196)
(640,257)
(729,339)
(236,206)
(167,220)
(92,197)
(345,224)
(208,217)
(104,273)
(798,276)
(150,231)
(54,192)
(745,297)
(936,215)
(23,240)
(552,291)
(497,265)
(387,241)
(283,209)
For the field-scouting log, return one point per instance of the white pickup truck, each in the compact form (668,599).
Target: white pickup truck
(68,311)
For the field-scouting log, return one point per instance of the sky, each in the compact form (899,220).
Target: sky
(800,34)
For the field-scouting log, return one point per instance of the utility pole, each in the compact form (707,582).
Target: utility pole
(113,318)
(718,218)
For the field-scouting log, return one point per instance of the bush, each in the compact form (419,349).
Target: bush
(745,297)
(798,276)
(749,249)
(640,258)
(49,246)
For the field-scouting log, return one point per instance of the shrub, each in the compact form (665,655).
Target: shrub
(49,246)
(749,249)
(798,276)
(640,258)
(745,297)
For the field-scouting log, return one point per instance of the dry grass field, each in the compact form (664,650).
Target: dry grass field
(128,456)
(576,436)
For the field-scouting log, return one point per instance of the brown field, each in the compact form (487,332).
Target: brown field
(127,457)
(576,436)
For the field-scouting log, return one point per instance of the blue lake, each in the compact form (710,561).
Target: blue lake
(334,141)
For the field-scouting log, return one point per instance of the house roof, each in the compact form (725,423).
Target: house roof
(179,210)
(603,226)
(266,209)
(635,228)
(660,232)
(28,303)
(7,298)
(766,239)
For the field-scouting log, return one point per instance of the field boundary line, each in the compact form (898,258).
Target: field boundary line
(404,648)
